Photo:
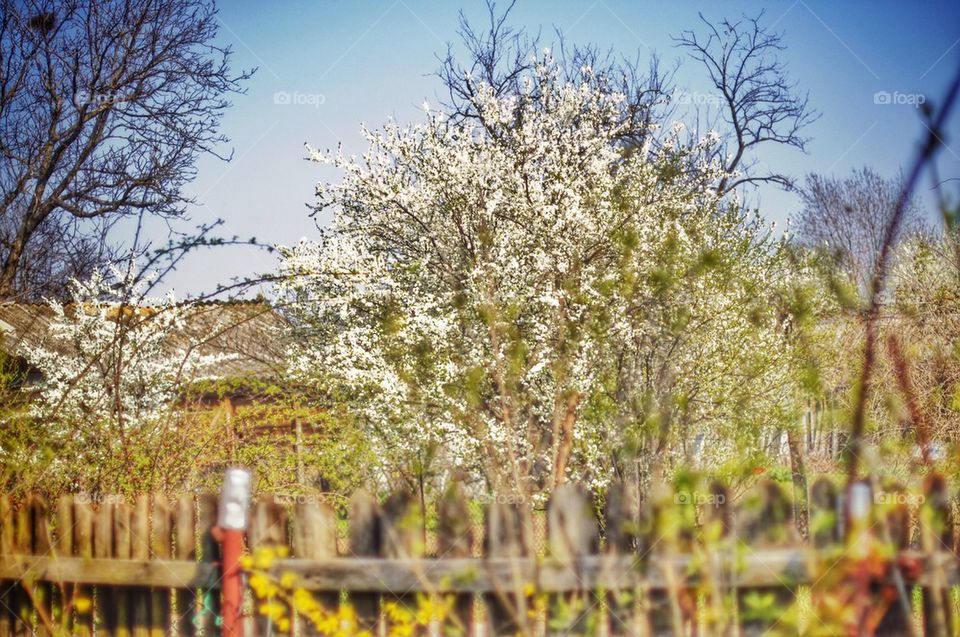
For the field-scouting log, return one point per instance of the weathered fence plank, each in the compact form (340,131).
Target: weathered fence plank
(455,540)
(365,540)
(765,520)
(122,550)
(7,587)
(508,600)
(140,550)
(573,533)
(105,610)
(936,534)
(315,538)
(186,551)
(621,515)
(83,547)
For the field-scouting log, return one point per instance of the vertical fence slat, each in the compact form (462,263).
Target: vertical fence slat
(42,545)
(896,619)
(622,525)
(268,527)
(160,550)
(455,540)
(83,517)
(122,520)
(209,552)
(64,547)
(140,550)
(765,520)
(825,534)
(936,535)
(401,534)
(573,533)
(507,536)
(7,617)
(23,540)
(365,541)
(186,549)
(662,616)
(718,527)
(106,602)
(315,537)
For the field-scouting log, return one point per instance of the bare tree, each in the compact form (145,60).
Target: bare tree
(500,56)
(760,104)
(848,217)
(104,108)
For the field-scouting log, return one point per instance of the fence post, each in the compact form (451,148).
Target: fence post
(232,520)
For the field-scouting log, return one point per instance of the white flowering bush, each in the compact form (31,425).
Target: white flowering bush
(111,377)
(522,295)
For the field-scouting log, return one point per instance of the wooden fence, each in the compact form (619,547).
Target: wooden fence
(692,563)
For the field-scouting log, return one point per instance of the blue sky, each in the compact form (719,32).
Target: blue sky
(343,63)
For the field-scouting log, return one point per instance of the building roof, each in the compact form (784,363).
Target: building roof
(250,334)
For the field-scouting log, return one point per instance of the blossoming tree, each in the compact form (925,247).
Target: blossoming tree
(523,295)
(111,378)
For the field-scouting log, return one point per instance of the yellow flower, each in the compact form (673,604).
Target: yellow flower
(82,605)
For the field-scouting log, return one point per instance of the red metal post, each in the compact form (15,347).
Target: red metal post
(232,585)
(232,523)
